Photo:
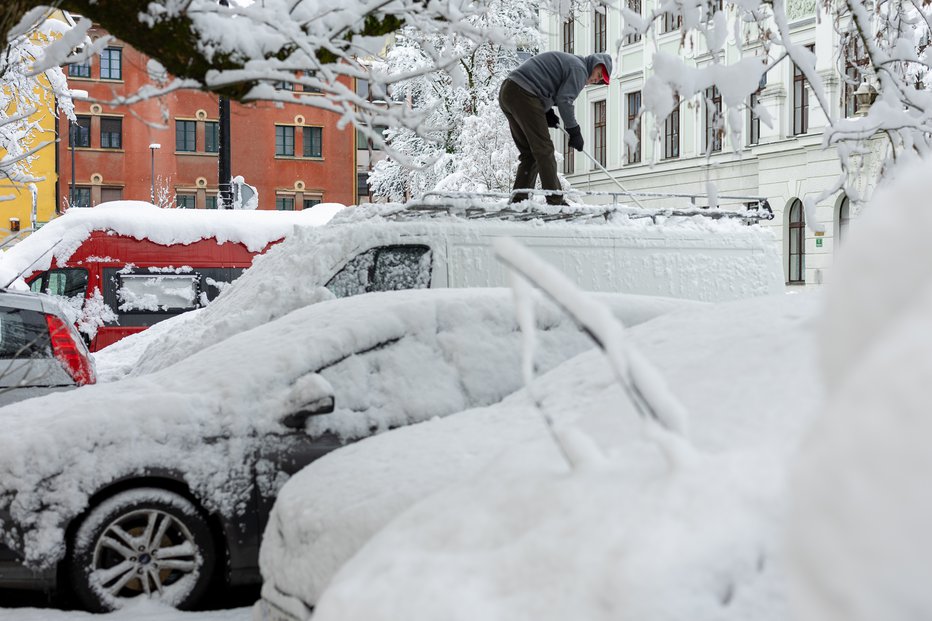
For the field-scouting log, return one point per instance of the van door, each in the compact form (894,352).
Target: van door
(67,282)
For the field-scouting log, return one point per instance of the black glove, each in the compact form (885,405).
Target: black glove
(552,120)
(576,140)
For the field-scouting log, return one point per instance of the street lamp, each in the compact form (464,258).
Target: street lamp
(72,138)
(152,148)
(864,97)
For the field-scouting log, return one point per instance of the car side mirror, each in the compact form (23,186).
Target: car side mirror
(311,395)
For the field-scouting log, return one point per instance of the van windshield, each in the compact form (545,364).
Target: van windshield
(69,282)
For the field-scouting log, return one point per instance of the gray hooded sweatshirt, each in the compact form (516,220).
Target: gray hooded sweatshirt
(558,78)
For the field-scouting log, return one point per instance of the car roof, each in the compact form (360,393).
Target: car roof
(31,301)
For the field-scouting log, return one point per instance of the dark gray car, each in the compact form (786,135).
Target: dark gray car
(153,485)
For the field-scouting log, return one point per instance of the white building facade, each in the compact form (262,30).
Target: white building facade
(785,163)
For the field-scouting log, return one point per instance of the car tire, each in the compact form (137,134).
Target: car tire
(146,542)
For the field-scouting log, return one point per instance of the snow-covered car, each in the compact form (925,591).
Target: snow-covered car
(483,508)
(382,247)
(40,351)
(153,484)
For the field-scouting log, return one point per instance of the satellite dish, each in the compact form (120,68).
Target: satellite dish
(245,196)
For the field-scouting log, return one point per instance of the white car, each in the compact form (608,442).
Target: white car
(482,514)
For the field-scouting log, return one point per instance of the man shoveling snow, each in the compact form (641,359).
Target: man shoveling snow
(527,98)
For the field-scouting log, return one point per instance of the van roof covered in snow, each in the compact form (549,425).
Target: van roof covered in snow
(61,237)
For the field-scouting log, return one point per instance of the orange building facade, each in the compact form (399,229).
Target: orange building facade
(165,148)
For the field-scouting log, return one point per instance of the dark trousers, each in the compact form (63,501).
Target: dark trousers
(528,123)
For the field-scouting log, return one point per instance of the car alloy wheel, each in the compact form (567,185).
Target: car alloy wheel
(142,543)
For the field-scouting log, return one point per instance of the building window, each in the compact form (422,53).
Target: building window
(185,201)
(284,86)
(796,267)
(633,154)
(81,197)
(313,89)
(111,194)
(80,132)
(212,136)
(855,67)
(111,64)
(284,140)
(713,120)
(671,131)
(362,88)
(671,21)
(111,133)
(800,100)
(210,201)
(599,29)
(313,141)
(753,120)
(569,36)
(569,158)
(185,135)
(844,219)
(598,131)
(635,7)
(80,70)
(362,185)
(284,203)
(311,202)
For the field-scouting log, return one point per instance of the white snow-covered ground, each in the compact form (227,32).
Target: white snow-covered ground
(142,612)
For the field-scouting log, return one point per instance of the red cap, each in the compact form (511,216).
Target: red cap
(604,74)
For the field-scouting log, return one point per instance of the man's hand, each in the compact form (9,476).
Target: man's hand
(552,120)
(576,140)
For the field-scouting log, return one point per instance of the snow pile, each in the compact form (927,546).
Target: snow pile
(143,610)
(862,509)
(392,359)
(62,236)
(687,258)
(521,537)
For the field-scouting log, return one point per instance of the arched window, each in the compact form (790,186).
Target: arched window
(844,217)
(796,237)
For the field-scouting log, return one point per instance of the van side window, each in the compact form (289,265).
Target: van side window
(157,292)
(389,268)
(69,282)
(23,334)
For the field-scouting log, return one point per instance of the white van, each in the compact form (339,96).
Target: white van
(373,249)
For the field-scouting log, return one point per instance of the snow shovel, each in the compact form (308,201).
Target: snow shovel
(608,174)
